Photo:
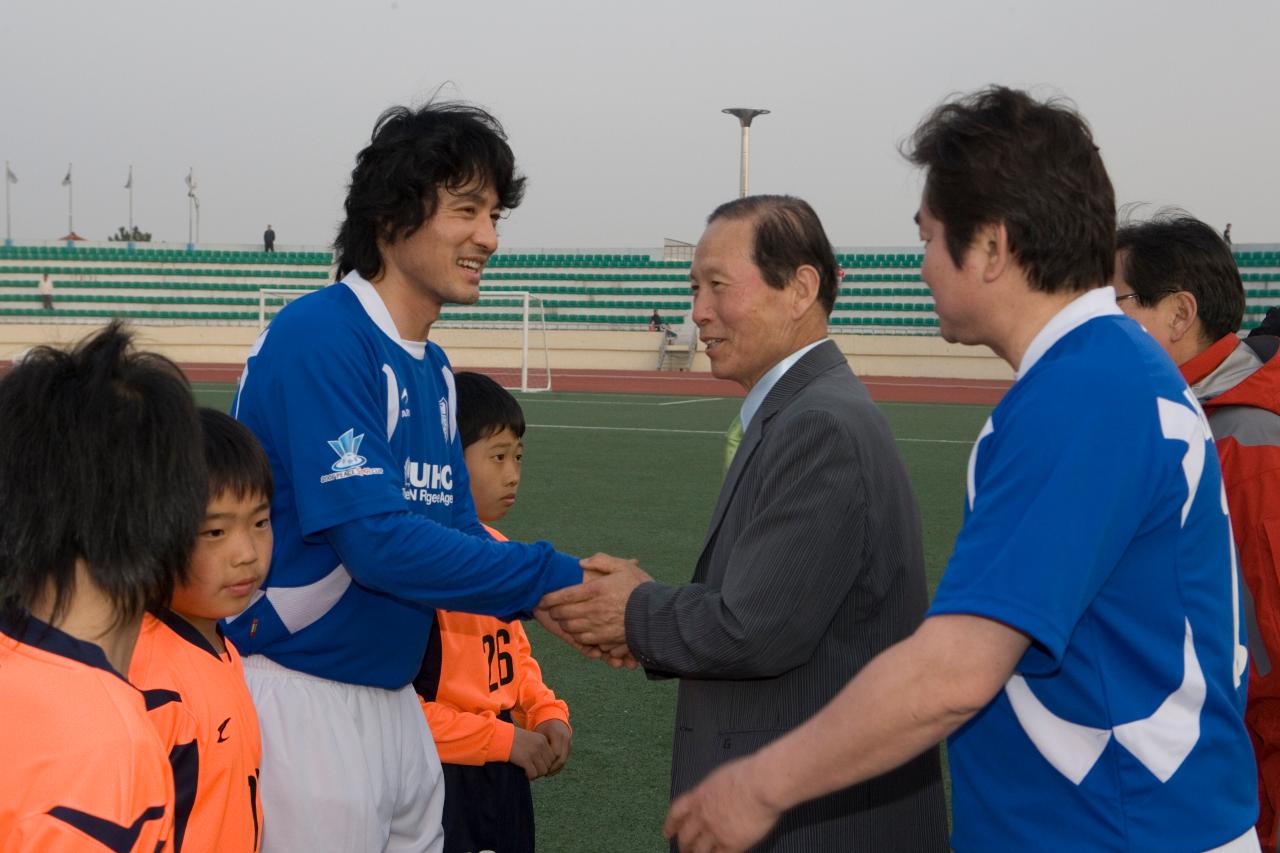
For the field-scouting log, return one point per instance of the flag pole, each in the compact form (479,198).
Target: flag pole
(131,202)
(71,228)
(8,225)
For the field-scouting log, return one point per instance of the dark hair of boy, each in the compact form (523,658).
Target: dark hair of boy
(236,461)
(102,464)
(414,154)
(485,408)
(1175,251)
(997,156)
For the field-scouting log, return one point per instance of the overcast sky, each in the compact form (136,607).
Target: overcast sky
(613,108)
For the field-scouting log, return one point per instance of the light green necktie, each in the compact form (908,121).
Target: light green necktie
(732,439)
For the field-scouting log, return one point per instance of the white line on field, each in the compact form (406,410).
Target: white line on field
(524,401)
(693,400)
(714,432)
(630,429)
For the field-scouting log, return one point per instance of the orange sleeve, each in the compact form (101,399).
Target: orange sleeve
(535,701)
(466,737)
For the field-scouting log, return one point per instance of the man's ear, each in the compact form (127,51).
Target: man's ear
(1184,315)
(992,241)
(804,286)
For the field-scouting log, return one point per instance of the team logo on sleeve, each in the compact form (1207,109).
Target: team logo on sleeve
(350,463)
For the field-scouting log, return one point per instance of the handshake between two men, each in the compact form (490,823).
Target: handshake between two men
(591,616)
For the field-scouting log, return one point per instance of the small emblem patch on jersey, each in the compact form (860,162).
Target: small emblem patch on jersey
(350,463)
(348,449)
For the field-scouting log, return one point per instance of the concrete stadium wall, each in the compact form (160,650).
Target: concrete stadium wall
(869,355)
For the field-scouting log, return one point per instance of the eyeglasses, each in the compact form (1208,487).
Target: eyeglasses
(1135,295)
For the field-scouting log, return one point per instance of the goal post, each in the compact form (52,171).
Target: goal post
(529,302)
(272,299)
(284,294)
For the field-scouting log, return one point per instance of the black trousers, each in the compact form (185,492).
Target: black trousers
(489,807)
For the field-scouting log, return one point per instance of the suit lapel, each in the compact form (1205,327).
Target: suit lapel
(816,361)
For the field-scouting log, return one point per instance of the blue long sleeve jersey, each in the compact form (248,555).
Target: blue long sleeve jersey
(373,518)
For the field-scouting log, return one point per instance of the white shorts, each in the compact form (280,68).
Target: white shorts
(345,767)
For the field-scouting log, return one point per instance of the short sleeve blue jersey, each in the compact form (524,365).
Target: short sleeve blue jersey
(373,519)
(1097,525)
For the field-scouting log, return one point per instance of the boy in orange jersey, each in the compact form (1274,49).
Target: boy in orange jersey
(190,674)
(102,486)
(495,724)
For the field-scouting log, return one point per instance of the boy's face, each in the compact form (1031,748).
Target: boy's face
(493,463)
(230,560)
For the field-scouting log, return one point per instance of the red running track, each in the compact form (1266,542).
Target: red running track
(884,389)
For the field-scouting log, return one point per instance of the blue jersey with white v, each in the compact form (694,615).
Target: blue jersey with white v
(1096,524)
(373,519)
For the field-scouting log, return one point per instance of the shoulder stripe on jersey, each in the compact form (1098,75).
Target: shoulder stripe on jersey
(108,833)
(160,697)
(31,631)
(184,758)
(186,631)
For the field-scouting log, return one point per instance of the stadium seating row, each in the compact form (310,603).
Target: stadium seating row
(61,271)
(170,256)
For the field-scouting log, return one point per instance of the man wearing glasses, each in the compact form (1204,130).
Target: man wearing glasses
(1176,277)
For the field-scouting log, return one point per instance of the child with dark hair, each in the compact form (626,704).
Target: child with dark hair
(101,490)
(190,674)
(495,724)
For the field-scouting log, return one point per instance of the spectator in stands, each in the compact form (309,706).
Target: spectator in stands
(1084,647)
(813,562)
(1226,234)
(101,493)
(655,321)
(1176,277)
(269,239)
(45,288)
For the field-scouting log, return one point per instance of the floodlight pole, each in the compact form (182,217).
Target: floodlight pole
(744,116)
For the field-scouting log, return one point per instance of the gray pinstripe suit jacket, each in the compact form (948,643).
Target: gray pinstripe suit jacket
(812,564)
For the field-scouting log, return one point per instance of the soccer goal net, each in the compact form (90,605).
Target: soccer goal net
(272,299)
(532,321)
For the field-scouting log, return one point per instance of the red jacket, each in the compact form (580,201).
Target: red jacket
(1238,384)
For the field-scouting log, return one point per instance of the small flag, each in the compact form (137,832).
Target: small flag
(129,183)
(8,173)
(190,181)
(195,200)
(66,182)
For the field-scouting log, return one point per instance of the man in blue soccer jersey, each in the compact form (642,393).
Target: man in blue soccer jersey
(1084,651)
(374,522)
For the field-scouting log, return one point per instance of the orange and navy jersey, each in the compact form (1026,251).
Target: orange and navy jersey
(477,671)
(83,770)
(199,703)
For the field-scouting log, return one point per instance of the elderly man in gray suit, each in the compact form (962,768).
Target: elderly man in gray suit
(813,560)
